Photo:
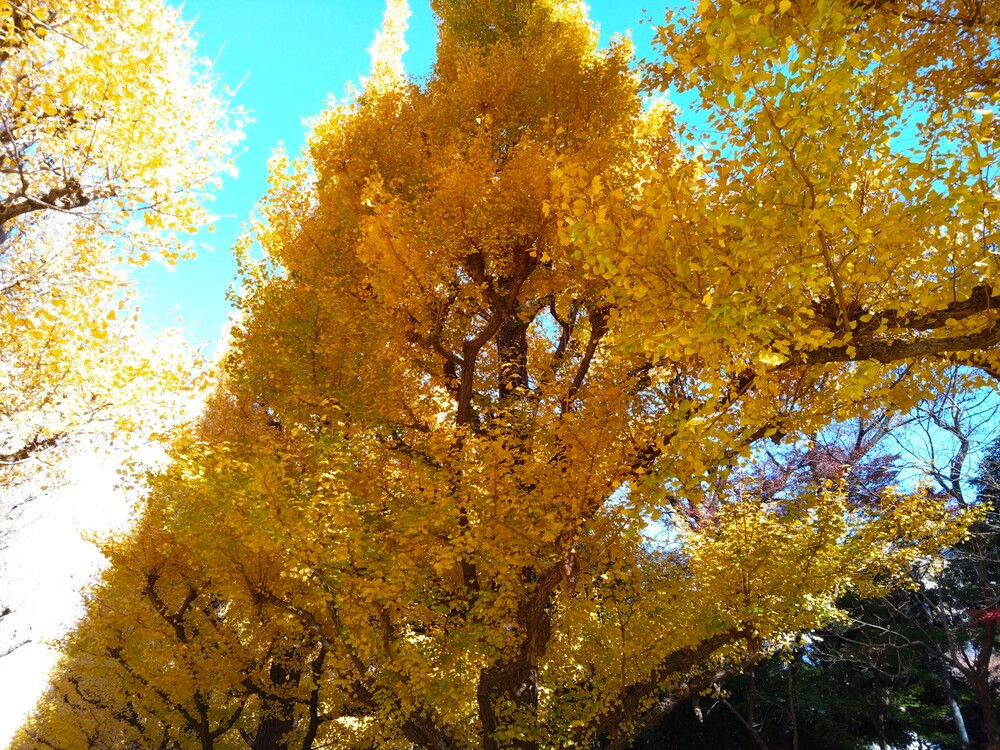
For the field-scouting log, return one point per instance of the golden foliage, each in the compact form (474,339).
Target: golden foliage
(489,418)
(112,132)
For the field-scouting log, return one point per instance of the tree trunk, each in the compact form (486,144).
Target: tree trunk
(984,697)
(512,686)
(956,709)
(791,708)
(757,739)
(512,355)
(277,713)
(517,686)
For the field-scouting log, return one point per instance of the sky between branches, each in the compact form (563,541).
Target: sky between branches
(283,66)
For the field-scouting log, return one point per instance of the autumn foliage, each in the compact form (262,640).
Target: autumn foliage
(480,469)
(112,132)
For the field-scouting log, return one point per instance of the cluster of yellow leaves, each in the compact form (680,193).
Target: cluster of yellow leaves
(838,204)
(841,199)
(503,322)
(167,656)
(112,134)
(107,102)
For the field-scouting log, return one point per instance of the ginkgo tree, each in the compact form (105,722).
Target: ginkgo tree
(112,132)
(486,421)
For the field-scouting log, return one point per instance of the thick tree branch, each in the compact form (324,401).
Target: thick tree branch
(632,697)
(31,448)
(174,619)
(888,352)
(598,327)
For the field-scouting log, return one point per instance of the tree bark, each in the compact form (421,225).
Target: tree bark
(277,713)
(515,682)
(956,709)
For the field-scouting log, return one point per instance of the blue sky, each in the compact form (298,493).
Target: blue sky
(289,62)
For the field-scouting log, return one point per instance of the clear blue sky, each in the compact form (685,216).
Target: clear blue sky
(291,57)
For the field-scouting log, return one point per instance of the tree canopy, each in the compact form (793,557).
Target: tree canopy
(112,133)
(480,471)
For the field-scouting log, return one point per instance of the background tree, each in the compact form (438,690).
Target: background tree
(916,665)
(163,662)
(154,142)
(857,688)
(172,654)
(952,605)
(111,133)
